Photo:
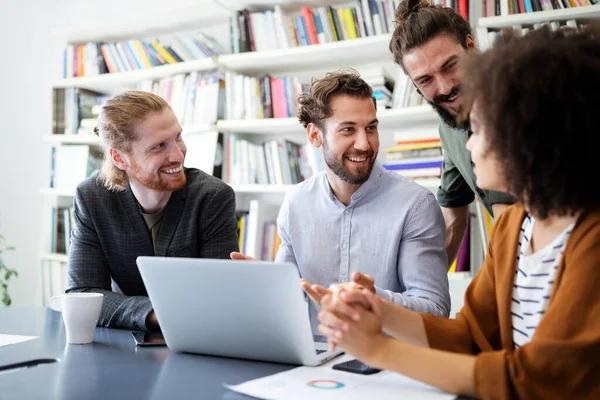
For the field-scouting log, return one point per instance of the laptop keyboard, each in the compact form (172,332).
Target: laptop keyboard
(320,351)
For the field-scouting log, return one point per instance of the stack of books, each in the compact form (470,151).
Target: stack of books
(421,158)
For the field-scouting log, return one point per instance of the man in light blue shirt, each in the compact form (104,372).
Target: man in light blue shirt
(357,216)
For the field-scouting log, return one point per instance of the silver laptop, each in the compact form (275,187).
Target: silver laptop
(243,309)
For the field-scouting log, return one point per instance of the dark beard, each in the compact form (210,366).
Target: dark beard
(444,114)
(338,166)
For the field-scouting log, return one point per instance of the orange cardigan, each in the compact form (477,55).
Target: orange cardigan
(562,360)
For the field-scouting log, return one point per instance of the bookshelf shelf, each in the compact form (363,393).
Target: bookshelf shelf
(261,126)
(584,13)
(54,257)
(58,192)
(73,139)
(338,53)
(58,139)
(389,119)
(430,183)
(115,81)
(272,189)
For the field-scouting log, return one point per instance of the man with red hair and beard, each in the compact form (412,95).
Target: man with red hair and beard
(358,224)
(143,203)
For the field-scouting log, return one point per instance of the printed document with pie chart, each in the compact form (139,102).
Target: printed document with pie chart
(326,383)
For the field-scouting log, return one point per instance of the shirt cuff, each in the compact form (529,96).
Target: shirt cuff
(383,293)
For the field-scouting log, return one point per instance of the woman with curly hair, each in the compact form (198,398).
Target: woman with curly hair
(530,325)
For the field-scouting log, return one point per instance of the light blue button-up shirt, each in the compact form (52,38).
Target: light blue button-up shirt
(393,230)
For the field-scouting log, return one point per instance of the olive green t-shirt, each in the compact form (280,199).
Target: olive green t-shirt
(458,187)
(153,222)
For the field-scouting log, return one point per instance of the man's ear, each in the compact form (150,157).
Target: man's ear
(471,43)
(118,158)
(314,135)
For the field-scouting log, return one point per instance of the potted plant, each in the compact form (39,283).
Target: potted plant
(5,275)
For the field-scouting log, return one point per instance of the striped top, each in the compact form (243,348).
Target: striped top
(534,280)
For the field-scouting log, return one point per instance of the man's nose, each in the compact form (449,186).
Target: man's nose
(445,85)
(362,141)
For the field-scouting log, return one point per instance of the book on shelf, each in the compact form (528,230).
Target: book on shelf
(402,137)
(277,29)
(92,59)
(274,162)
(405,93)
(62,224)
(488,38)
(196,98)
(75,110)
(495,8)
(263,97)
(419,158)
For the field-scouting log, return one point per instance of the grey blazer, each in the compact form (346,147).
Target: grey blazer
(110,233)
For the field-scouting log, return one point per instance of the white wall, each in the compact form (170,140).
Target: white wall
(33,36)
(29,62)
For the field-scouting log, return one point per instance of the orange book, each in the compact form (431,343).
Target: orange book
(411,147)
(80,60)
(416,142)
(107,59)
(309,21)
(277,243)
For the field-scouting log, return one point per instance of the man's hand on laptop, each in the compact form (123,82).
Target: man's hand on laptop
(359,281)
(239,256)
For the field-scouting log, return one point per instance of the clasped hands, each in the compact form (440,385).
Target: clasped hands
(351,314)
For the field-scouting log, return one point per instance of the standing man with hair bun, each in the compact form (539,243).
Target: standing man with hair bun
(429,43)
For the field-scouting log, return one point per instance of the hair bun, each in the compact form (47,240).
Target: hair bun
(408,7)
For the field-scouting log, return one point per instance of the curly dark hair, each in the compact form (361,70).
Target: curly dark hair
(314,104)
(538,100)
(419,21)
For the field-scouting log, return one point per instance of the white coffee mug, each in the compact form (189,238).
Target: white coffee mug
(80,313)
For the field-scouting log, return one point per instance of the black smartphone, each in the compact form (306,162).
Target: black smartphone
(356,367)
(148,339)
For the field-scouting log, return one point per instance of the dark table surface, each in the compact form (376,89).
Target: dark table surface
(112,367)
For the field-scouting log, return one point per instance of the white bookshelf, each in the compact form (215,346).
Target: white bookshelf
(261,126)
(115,81)
(93,140)
(54,192)
(389,119)
(301,61)
(252,189)
(356,51)
(257,189)
(58,139)
(582,14)
(56,257)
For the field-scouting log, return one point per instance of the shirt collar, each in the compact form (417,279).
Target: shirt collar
(362,190)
